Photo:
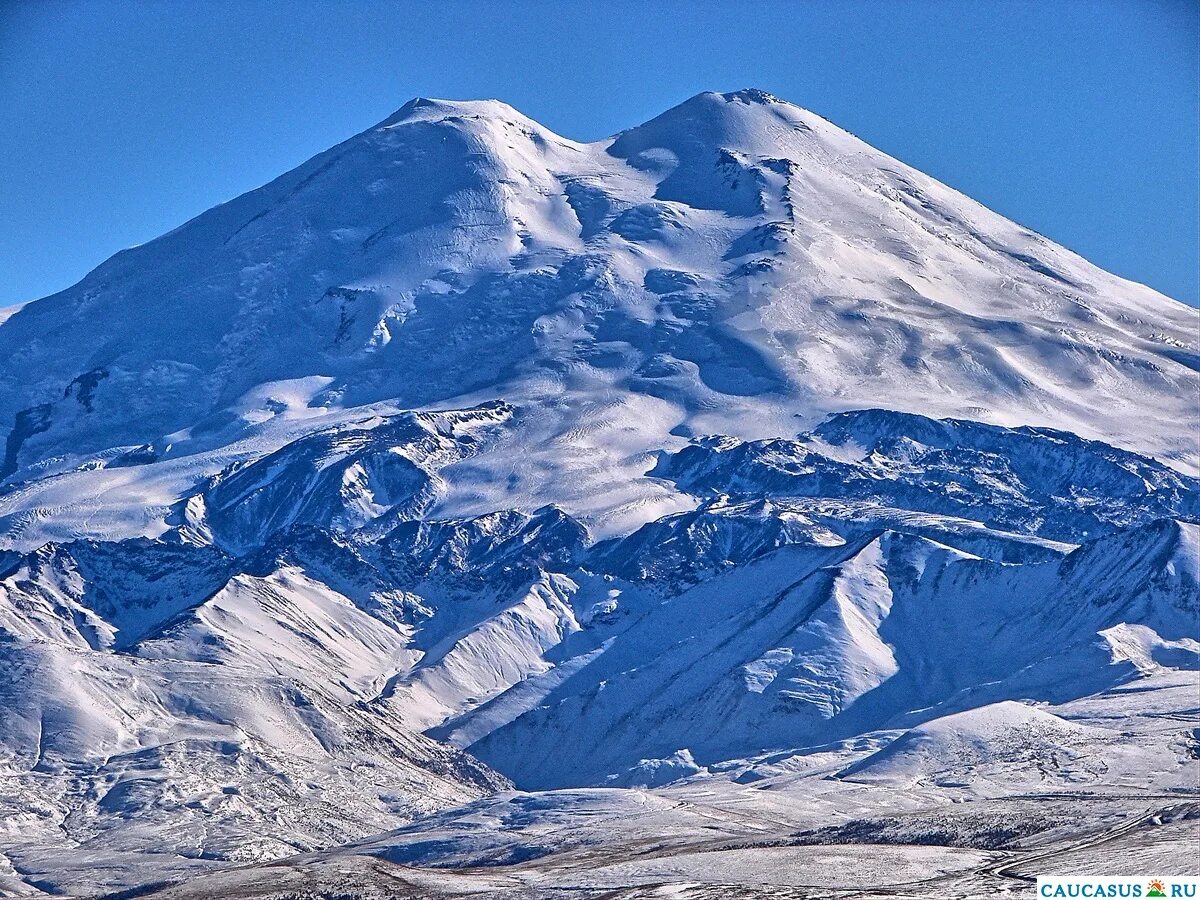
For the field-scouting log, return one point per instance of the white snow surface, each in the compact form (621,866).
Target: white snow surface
(737,265)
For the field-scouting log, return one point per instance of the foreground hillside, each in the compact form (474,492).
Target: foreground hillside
(827,631)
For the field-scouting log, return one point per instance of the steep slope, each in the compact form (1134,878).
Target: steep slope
(787,651)
(103,595)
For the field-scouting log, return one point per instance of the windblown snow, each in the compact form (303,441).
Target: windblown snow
(687,479)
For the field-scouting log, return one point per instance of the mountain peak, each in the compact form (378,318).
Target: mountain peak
(749,121)
(432,109)
(751,95)
(704,103)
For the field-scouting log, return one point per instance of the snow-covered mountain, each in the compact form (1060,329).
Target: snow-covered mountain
(728,449)
(735,266)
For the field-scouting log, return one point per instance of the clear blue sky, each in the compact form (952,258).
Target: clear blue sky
(120,120)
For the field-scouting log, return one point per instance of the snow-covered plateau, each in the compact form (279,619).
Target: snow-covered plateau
(721,509)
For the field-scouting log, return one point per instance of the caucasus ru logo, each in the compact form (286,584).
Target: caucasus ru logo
(1097,888)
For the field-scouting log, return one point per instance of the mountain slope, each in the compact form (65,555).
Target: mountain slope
(726,267)
(790,651)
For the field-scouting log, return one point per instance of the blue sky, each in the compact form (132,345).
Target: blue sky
(118,121)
